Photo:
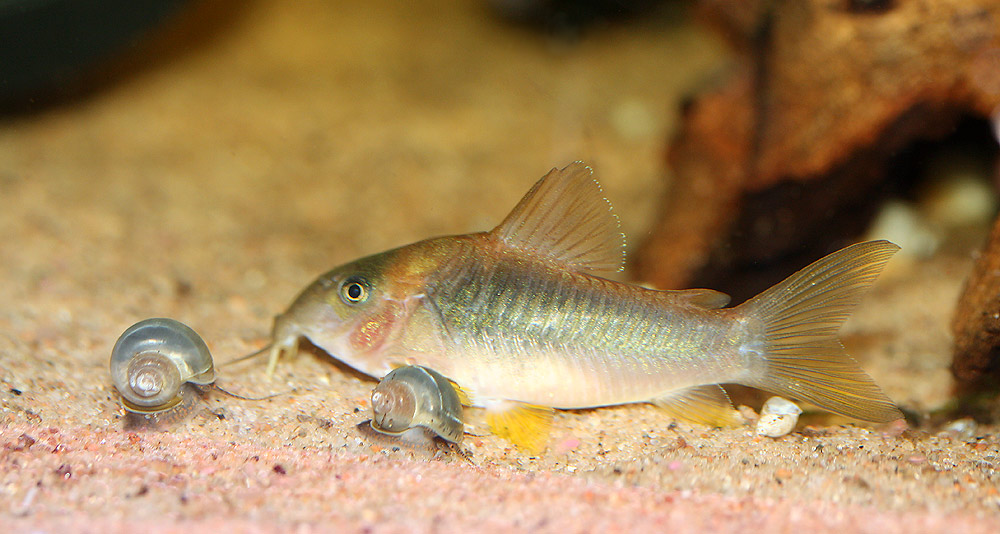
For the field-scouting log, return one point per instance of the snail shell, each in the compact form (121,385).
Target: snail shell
(778,417)
(165,419)
(417,396)
(153,359)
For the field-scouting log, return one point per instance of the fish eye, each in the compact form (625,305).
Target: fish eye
(354,290)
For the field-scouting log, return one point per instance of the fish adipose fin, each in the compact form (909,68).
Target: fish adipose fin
(565,217)
(525,425)
(706,405)
(709,299)
(803,359)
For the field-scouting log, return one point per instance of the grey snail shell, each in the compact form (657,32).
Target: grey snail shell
(414,396)
(154,359)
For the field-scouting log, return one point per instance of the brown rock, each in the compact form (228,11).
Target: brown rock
(976,324)
(787,157)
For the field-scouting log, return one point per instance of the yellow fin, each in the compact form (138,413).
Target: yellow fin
(525,425)
(706,405)
(802,357)
(463,396)
(565,217)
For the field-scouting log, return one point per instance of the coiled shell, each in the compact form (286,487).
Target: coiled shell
(414,396)
(154,359)
(778,417)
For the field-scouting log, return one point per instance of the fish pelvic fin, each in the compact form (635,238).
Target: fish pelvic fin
(566,218)
(525,425)
(706,405)
(803,359)
(464,397)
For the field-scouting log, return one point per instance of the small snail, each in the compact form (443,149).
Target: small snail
(777,417)
(417,396)
(153,360)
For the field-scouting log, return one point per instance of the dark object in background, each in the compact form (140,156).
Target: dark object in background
(870,6)
(789,157)
(570,16)
(47,47)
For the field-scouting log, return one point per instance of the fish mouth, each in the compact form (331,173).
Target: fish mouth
(345,365)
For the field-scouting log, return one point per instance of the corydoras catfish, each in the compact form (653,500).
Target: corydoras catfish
(522,321)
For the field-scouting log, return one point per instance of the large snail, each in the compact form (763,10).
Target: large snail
(154,360)
(414,396)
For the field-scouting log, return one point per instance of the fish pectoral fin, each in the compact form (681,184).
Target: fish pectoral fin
(566,218)
(525,425)
(706,405)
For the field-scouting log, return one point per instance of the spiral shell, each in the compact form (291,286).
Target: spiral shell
(154,359)
(778,417)
(414,396)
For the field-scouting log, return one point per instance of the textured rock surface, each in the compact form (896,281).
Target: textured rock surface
(976,324)
(786,156)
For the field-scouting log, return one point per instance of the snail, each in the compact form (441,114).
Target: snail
(414,396)
(152,362)
(777,417)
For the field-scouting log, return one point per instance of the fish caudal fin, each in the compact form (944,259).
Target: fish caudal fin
(803,359)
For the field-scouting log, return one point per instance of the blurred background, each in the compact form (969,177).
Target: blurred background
(166,158)
(206,159)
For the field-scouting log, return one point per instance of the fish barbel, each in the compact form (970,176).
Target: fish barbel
(522,321)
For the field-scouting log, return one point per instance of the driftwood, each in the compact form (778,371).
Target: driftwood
(782,162)
(787,159)
(976,323)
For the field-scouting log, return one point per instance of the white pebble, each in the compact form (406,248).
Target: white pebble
(901,223)
(961,198)
(633,120)
(964,428)
(777,417)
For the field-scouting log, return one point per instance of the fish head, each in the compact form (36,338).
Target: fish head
(359,313)
(351,312)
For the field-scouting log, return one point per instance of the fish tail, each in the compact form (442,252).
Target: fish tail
(803,359)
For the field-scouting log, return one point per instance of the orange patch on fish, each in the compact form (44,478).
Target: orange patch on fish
(372,333)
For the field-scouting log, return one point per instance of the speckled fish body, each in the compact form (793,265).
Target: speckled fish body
(506,327)
(522,320)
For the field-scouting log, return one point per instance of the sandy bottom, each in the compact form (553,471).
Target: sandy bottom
(215,183)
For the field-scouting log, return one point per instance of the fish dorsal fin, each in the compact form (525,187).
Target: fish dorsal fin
(565,217)
(703,298)
(707,405)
